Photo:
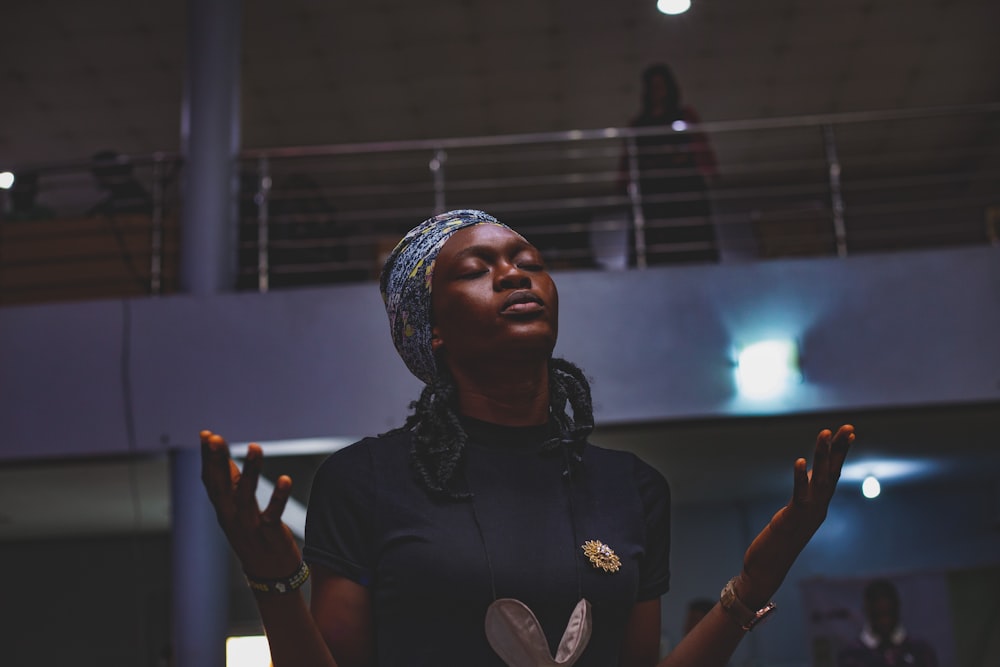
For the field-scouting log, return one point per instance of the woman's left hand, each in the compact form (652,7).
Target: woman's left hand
(773,551)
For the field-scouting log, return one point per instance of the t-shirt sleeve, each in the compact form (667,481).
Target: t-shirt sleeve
(341,512)
(654,569)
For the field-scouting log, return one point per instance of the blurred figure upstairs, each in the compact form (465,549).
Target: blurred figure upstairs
(675,171)
(123,193)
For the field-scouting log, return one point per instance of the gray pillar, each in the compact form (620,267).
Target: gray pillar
(200,568)
(210,143)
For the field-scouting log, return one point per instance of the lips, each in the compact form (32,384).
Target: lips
(522,301)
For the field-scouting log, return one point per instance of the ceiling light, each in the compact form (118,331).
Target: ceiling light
(768,368)
(679,126)
(6,180)
(870,487)
(673,7)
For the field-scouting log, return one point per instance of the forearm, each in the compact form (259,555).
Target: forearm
(709,644)
(292,635)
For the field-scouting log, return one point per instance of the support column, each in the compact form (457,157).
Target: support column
(210,143)
(200,568)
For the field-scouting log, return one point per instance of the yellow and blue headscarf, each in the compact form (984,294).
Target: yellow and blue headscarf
(406,283)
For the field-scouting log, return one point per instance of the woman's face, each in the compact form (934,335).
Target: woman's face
(657,90)
(492,299)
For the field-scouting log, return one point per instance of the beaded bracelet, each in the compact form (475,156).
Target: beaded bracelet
(286,585)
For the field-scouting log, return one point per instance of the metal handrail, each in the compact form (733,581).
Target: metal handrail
(566,136)
(798,184)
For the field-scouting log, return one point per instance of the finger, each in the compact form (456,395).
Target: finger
(279,498)
(841,444)
(800,488)
(246,488)
(821,455)
(216,473)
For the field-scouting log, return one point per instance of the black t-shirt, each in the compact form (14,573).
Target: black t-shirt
(432,572)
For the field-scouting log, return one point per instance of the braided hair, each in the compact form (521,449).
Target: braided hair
(439,439)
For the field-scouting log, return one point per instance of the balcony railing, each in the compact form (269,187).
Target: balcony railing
(604,199)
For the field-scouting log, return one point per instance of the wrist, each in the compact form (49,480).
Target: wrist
(748,593)
(280,585)
(746,616)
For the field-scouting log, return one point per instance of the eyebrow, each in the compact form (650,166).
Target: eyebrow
(479,249)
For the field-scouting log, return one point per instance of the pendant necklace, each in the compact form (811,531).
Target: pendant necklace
(513,630)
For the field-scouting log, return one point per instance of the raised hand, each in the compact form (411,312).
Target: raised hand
(265,546)
(773,551)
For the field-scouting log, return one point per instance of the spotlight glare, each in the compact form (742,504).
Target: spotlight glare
(870,487)
(673,7)
(679,126)
(6,180)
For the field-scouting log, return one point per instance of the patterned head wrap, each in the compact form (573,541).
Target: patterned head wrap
(406,285)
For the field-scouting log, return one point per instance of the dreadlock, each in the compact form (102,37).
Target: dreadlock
(439,439)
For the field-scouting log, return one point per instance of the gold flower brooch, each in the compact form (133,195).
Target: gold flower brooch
(601,556)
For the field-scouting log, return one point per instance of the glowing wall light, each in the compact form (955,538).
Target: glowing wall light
(767,369)
(6,180)
(248,652)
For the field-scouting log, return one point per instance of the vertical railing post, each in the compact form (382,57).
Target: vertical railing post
(156,233)
(635,198)
(437,173)
(263,197)
(836,197)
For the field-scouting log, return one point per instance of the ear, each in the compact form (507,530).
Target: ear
(436,341)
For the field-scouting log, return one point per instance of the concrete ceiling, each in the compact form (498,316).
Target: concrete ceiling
(81,77)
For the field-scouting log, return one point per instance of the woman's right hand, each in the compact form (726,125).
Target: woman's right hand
(263,543)
(774,550)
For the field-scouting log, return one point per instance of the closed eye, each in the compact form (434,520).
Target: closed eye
(471,275)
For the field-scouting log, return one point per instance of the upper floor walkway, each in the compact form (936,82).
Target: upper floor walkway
(602,199)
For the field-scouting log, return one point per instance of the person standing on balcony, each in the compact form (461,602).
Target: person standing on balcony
(676,167)
(486,530)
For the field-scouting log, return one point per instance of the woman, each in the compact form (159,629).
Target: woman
(486,525)
(675,168)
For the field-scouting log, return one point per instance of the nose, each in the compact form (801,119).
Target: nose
(510,276)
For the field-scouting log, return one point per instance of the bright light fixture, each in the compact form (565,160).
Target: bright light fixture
(6,180)
(673,7)
(768,368)
(870,487)
(250,651)
(679,126)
